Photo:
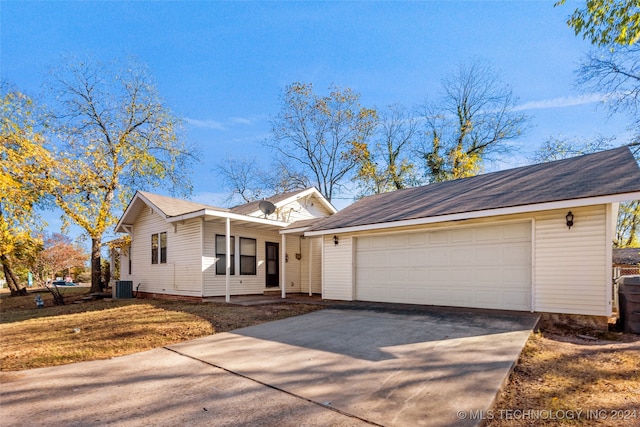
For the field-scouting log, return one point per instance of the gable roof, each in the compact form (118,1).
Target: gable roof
(171,206)
(177,209)
(607,173)
(281,200)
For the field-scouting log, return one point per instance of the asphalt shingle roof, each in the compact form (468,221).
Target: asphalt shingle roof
(605,173)
(171,206)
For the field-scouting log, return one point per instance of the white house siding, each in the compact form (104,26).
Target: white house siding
(571,271)
(214,285)
(124,263)
(294,265)
(338,268)
(311,247)
(181,274)
(303,208)
(570,267)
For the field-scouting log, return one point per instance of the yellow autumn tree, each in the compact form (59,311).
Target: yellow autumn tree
(387,163)
(114,135)
(474,119)
(25,165)
(607,22)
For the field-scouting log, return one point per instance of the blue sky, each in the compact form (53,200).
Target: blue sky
(222,65)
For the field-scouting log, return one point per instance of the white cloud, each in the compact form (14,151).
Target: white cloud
(562,102)
(208,124)
(223,125)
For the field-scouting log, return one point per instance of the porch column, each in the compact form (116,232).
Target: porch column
(227,283)
(310,263)
(283,258)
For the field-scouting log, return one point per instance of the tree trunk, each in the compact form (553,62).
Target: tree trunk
(12,279)
(96,273)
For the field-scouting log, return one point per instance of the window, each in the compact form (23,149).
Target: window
(221,254)
(247,256)
(159,248)
(154,249)
(163,248)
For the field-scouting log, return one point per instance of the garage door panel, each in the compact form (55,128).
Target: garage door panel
(488,255)
(517,254)
(417,257)
(484,266)
(438,257)
(438,238)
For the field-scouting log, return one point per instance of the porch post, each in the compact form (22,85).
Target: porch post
(227,283)
(283,261)
(310,263)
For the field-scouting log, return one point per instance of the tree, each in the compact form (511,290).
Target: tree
(321,138)
(617,75)
(24,181)
(628,228)
(59,255)
(607,22)
(474,119)
(115,135)
(243,177)
(564,148)
(387,164)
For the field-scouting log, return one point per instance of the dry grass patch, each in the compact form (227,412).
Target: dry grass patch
(573,382)
(100,329)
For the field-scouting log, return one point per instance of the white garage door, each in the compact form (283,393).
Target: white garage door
(484,267)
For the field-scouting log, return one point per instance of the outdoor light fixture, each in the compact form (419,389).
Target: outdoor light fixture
(569,218)
(335,240)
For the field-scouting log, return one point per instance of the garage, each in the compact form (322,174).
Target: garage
(486,266)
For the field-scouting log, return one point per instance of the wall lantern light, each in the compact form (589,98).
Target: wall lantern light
(335,240)
(569,218)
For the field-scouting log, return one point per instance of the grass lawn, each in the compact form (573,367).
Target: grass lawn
(560,378)
(56,335)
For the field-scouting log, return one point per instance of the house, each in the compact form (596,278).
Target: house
(183,249)
(535,238)
(626,261)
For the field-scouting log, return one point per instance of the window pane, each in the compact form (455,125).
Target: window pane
(163,248)
(221,266)
(247,265)
(221,250)
(154,249)
(247,246)
(221,245)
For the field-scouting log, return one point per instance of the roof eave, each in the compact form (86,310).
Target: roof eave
(230,215)
(562,204)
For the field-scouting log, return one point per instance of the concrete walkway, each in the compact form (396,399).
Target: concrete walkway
(346,366)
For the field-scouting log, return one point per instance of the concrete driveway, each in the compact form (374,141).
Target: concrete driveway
(355,365)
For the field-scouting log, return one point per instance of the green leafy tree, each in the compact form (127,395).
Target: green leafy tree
(607,22)
(321,139)
(25,165)
(474,119)
(387,164)
(115,135)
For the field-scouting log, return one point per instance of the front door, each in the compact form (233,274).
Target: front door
(272,250)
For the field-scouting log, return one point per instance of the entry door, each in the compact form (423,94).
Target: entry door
(273,262)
